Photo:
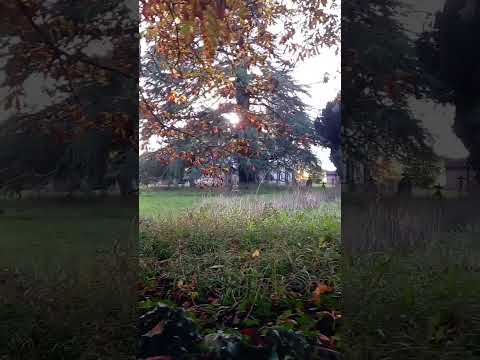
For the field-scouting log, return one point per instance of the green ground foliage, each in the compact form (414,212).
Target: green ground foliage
(67,276)
(405,275)
(411,279)
(257,273)
(265,276)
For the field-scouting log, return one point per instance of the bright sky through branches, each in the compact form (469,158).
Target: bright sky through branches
(312,73)
(234,118)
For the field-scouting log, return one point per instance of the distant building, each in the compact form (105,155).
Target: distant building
(332,178)
(458,174)
(274,177)
(280,177)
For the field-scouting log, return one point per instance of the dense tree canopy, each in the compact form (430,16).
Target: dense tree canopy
(380,72)
(229,56)
(83,56)
(264,150)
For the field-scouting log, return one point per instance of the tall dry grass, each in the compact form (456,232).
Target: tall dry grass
(411,278)
(298,199)
(296,236)
(405,223)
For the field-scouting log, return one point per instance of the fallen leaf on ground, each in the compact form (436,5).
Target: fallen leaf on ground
(157,329)
(322,289)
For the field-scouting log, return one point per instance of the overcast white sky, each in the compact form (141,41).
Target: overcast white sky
(311,72)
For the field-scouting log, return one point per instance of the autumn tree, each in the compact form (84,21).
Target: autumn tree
(224,51)
(265,152)
(380,73)
(85,55)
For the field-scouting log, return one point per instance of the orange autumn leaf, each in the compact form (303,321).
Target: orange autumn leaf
(321,289)
(172,97)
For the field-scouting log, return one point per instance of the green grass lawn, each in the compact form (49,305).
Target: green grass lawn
(420,305)
(171,202)
(67,278)
(411,279)
(248,262)
(49,233)
(161,203)
(410,284)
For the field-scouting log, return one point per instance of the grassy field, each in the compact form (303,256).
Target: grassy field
(411,279)
(167,202)
(161,203)
(67,278)
(48,233)
(245,266)
(406,273)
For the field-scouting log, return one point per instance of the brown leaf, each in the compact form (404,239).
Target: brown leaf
(157,329)
(321,289)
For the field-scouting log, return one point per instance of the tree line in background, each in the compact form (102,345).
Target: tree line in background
(383,66)
(450,58)
(206,59)
(381,72)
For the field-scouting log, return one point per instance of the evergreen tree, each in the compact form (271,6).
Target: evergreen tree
(274,133)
